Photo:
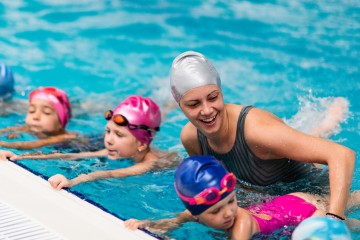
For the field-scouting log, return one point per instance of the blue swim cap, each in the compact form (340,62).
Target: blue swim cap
(321,228)
(198,173)
(6,82)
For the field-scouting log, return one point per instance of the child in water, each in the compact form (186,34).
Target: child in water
(129,132)
(8,104)
(6,83)
(207,191)
(48,114)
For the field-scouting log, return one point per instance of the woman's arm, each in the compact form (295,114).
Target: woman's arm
(163,224)
(269,138)
(189,139)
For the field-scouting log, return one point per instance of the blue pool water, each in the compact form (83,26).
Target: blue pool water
(288,57)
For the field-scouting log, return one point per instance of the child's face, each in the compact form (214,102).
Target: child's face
(119,142)
(222,215)
(42,119)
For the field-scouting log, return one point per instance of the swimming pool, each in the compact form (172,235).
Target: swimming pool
(287,57)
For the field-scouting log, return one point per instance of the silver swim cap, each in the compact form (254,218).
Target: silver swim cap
(190,70)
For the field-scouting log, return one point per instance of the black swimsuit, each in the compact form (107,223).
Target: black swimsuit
(249,168)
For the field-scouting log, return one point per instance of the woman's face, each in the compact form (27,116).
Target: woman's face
(42,119)
(204,106)
(222,215)
(119,142)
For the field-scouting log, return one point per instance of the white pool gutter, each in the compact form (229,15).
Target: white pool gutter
(31,209)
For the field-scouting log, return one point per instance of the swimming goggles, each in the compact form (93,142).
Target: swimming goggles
(211,195)
(121,120)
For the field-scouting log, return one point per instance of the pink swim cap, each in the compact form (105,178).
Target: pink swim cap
(140,111)
(57,98)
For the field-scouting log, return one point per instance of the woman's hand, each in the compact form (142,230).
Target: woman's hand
(59,181)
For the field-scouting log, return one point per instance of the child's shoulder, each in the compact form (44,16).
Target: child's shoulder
(166,159)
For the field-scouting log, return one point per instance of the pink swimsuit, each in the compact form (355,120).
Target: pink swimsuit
(287,210)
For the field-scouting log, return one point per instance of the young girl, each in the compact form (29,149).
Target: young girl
(207,191)
(129,132)
(48,114)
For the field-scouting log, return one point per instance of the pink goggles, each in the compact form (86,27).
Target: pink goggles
(211,195)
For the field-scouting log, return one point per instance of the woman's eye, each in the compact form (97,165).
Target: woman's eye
(192,105)
(213,98)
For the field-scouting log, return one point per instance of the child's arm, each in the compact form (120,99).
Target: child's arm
(245,226)
(15,128)
(65,156)
(163,224)
(58,181)
(38,143)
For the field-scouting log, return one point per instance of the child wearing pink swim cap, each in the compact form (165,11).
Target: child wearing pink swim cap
(129,131)
(207,191)
(48,114)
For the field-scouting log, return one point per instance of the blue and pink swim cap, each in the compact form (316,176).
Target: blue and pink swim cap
(6,82)
(57,98)
(140,111)
(201,182)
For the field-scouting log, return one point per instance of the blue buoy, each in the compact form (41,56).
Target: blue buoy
(321,228)
(6,82)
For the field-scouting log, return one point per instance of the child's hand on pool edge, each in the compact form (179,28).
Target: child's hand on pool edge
(158,226)
(59,181)
(134,224)
(4,155)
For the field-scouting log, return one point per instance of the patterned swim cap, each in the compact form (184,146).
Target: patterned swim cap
(57,98)
(201,182)
(190,70)
(6,82)
(140,111)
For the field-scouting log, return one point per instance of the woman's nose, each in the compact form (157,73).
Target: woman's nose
(206,109)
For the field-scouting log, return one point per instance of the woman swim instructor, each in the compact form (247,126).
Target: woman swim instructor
(254,144)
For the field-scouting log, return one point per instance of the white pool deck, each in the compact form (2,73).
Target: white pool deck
(63,214)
